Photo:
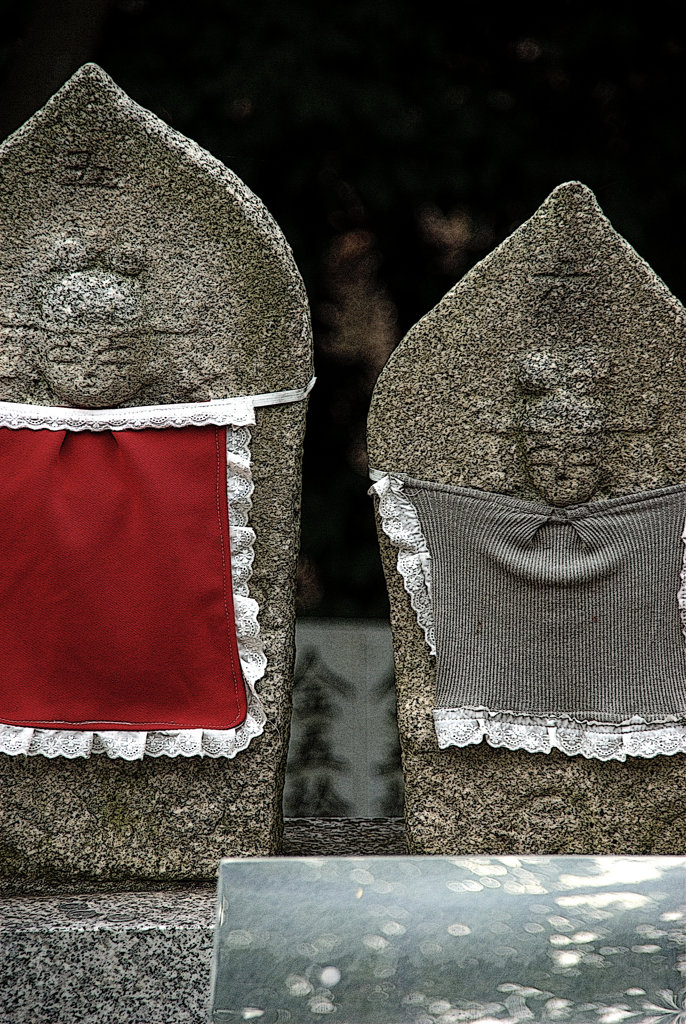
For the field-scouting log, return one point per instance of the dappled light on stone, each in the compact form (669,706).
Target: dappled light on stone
(462,954)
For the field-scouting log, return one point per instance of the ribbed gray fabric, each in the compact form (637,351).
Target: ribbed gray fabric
(553,612)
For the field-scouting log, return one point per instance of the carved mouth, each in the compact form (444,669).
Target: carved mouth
(107,380)
(96,395)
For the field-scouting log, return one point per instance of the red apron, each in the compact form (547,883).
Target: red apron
(115,581)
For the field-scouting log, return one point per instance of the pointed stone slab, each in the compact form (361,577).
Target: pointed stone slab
(136,269)
(554,370)
(97,192)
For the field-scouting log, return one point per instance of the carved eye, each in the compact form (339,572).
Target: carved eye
(588,368)
(69,254)
(540,372)
(126,260)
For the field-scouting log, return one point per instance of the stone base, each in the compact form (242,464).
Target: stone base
(343,837)
(153,822)
(139,957)
(133,958)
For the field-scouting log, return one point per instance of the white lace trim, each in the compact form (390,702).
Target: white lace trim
(220,412)
(401,525)
(681,594)
(184,742)
(460,727)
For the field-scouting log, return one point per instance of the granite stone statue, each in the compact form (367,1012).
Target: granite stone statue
(528,446)
(142,285)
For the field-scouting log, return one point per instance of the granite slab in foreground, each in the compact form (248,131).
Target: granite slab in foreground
(446,940)
(129,958)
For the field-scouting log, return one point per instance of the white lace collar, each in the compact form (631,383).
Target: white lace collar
(219,412)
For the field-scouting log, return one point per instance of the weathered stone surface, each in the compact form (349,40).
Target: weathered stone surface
(343,837)
(136,269)
(553,371)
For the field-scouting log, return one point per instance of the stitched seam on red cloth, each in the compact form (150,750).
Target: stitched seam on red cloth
(231,626)
(39,723)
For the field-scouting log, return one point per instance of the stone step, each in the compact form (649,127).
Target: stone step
(139,957)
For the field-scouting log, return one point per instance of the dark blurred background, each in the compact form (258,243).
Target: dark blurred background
(395,145)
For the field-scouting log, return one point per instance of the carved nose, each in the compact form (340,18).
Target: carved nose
(88,298)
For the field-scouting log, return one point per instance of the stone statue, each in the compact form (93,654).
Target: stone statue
(530,430)
(137,271)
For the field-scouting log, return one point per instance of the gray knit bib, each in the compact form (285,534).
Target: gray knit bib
(555,627)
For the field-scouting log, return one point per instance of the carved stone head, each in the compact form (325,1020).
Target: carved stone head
(560,429)
(135,268)
(554,370)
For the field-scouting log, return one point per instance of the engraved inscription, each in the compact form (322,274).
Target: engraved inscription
(561,429)
(559,280)
(85,168)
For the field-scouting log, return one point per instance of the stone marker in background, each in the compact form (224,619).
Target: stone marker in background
(554,371)
(111,220)
(344,755)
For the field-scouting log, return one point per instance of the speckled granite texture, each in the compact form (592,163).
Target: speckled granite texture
(343,837)
(553,371)
(111,221)
(140,958)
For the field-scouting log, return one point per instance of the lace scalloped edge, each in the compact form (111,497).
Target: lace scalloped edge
(133,745)
(401,525)
(220,412)
(462,727)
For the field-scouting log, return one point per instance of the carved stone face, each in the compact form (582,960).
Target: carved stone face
(91,343)
(566,470)
(561,432)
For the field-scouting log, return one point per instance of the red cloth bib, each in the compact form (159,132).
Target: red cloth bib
(115,581)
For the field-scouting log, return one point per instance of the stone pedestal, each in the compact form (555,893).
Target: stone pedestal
(133,957)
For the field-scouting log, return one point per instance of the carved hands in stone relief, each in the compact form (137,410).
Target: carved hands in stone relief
(561,426)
